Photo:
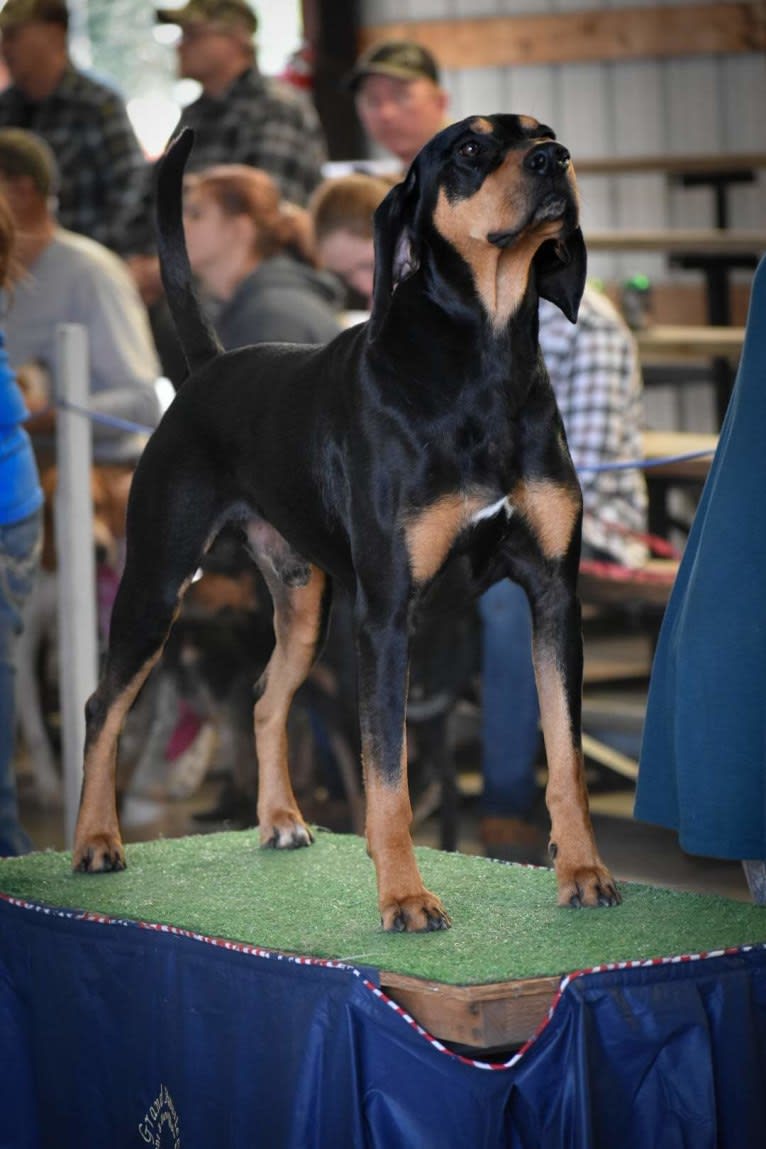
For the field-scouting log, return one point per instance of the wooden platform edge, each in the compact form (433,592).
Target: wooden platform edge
(495,1016)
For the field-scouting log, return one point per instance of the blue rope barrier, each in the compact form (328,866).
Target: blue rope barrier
(645,464)
(105,420)
(595,468)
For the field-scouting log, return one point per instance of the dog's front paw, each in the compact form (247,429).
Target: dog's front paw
(288,832)
(587,886)
(99,854)
(421,913)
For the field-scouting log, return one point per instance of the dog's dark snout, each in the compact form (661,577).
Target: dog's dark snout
(547,159)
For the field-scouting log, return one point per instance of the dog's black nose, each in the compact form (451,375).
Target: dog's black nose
(547,159)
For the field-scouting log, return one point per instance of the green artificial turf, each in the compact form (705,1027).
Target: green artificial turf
(321,901)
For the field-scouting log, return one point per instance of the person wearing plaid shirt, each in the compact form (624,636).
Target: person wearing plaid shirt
(242,117)
(594,371)
(263,124)
(85,123)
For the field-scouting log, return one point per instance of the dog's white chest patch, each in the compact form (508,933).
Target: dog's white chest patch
(493,509)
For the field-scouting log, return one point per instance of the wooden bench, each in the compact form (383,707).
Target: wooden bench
(660,446)
(674,343)
(642,594)
(706,242)
(609,593)
(715,253)
(729,164)
(646,587)
(718,172)
(663,476)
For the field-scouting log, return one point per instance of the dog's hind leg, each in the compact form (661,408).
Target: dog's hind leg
(164,550)
(301,597)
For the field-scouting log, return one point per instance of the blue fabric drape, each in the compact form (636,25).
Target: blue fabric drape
(703,758)
(116,1035)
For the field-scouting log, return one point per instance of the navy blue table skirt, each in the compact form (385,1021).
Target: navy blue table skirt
(119,1034)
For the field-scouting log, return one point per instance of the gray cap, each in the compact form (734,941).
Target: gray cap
(235,14)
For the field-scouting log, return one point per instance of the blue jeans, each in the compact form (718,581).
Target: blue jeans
(510,733)
(19,561)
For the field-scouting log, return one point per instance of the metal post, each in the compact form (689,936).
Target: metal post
(78,651)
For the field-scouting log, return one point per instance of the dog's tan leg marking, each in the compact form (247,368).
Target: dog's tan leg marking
(404,902)
(582,877)
(297,620)
(552,512)
(97,843)
(431,533)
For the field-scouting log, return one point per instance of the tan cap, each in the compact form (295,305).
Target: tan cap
(228,13)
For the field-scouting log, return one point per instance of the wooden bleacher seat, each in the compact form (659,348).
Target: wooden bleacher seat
(612,585)
(640,596)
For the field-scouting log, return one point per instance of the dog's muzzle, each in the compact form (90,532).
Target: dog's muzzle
(548,159)
(551,162)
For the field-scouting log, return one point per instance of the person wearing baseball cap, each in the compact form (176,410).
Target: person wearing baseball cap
(67,278)
(233,15)
(84,121)
(398,95)
(242,116)
(17,12)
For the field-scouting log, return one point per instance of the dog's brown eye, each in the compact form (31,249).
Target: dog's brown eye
(470,149)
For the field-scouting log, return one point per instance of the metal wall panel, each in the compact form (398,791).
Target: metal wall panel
(634,107)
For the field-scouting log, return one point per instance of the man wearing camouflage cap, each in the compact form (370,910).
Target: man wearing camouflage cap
(398,95)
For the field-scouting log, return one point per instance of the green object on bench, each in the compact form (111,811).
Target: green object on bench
(322,902)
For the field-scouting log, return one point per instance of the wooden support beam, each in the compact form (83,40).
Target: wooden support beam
(594,34)
(483,1017)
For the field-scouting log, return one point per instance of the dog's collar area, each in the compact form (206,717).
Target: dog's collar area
(504,239)
(493,509)
(550,210)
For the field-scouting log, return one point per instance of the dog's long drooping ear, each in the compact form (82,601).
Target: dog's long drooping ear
(396,256)
(560,268)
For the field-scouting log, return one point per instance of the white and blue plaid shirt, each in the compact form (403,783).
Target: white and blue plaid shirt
(595,373)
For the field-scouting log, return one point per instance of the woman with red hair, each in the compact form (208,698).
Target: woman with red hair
(252,255)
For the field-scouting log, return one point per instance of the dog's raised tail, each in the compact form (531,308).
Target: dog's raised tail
(196,334)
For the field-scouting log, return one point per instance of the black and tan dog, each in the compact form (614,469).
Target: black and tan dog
(424,442)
